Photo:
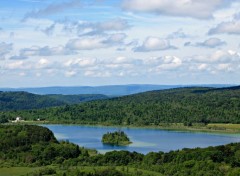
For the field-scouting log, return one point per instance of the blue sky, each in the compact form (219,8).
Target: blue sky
(103,42)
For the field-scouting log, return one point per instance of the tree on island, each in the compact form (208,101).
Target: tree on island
(116,138)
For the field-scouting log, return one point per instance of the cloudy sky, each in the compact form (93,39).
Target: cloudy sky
(106,42)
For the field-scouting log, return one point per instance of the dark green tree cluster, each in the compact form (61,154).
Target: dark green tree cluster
(34,145)
(183,105)
(24,100)
(76,99)
(116,138)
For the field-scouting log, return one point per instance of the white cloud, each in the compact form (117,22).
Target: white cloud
(22,74)
(225,67)
(113,25)
(232,27)
(85,44)
(229,27)
(154,44)
(81,62)
(178,34)
(202,67)
(42,63)
(91,73)
(91,43)
(164,63)
(201,9)
(45,51)
(5,49)
(86,28)
(219,61)
(70,73)
(218,56)
(209,43)
(52,9)
(18,65)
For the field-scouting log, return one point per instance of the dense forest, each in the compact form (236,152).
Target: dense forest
(181,105)
(25,100)
(34,146)
(116,138)
(75,99)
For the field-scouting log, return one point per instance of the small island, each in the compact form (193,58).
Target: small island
(116,138)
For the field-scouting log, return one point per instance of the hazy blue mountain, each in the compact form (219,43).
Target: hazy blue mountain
(110,90)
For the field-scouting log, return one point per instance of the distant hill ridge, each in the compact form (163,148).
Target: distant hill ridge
(109,90)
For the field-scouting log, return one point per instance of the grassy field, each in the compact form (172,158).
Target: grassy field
(16,171)
(226,127)
(22,171)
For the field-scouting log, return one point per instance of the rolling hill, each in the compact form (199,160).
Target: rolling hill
(201,105)
(25,100)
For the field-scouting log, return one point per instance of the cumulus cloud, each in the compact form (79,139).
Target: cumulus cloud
(164,63)
(43,51)
(231,27)
(201,9)
(42,63)
(113,25)
(70,73)
(178,34)
(86,28)
(18,57)
(218,56)
(219,61)
(209,43)
(101,74)
(5,48)
(18,65)
(52,9)
(49,30)
(154,44)
(90,43)
(81,62)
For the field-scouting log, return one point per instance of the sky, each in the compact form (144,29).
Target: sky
(114,42)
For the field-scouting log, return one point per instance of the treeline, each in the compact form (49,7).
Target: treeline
(41,149)
(24,100)
(182,105)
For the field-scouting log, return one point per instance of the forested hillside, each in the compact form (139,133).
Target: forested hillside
(25,100)
(167,106)
(75,99)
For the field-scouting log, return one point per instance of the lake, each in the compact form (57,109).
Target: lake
(144,139)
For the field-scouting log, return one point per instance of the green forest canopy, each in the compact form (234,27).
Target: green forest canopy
(201,105)
(116,138)
(24,100)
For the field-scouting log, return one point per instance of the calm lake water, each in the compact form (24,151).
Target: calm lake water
(144,140)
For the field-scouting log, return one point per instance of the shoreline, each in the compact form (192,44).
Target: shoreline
(209,128)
